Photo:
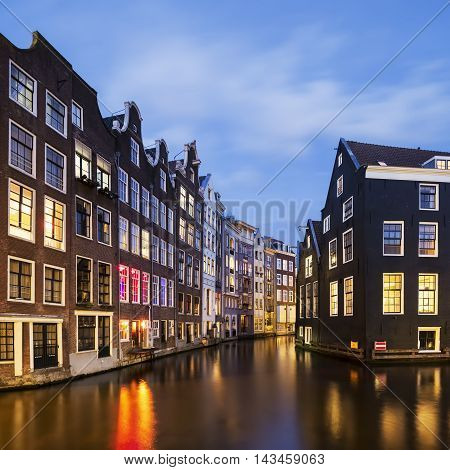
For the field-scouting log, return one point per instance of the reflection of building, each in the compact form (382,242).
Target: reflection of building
(269,291)
(379,257)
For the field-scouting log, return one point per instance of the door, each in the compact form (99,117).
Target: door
(104,337)
(308,335)
(45,345)
(189,333)
(164,331)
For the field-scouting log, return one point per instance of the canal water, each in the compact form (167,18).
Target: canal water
(243,395)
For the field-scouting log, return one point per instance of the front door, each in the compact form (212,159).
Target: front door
(45,345)
(308,335)
(104,339)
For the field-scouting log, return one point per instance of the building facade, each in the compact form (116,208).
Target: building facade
(259,283)
(384,263)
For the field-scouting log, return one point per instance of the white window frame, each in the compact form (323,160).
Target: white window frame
(63,294)
(344,261)
(339,159)
(135,183)
(34,110)
(437,330)
(64,190)
(437,196)
(110,226)
(340,182)
(329,254)
(33,280)
(33,216)
(74,103)
(350,199)
(91,288)
(308,266)
(326,224)
(127,299)
(131,286)
(163,178)
(353,297)
(134,146)
(402,246)
(436,295)
(110,283)
(121,170)
(33,172)
(127,232)
(402,297)
(75,221)
(63,249)
(436,254)
(332,313)
(47,92)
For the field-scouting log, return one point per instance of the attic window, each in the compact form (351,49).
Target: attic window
(382,163)
(134,128)
(340,159)
(442,163)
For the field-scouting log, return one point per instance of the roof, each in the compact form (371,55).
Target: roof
(110,119)
(372,154)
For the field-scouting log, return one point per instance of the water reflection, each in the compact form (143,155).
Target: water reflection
(246,395)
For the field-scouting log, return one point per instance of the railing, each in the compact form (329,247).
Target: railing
(410,354)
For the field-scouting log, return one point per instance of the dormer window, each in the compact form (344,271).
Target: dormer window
(340,159)
(442,164)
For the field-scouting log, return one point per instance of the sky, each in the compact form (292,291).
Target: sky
(253,82)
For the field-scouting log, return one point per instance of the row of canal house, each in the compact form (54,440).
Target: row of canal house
(111,253)
(374,271)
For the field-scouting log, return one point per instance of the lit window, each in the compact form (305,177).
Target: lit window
(134,148)
(145,244)
(393,238)
(6,341)
(21,280)
(103,173)
(135,239)
(182,229)
(145,288)
(21,207)
(53,285)
(332,253)
(340,186)
(163,292)
(55,168)
(347,246)
(428,289)
(190,235)
(442,164)
(315,299)
(348,296)
(333,298)
(56,113)
(123,233)
(347,209)
(429,339)
(308,266)
(155,290)
(123,186)
(429,197)
(393,293)
(135,285)
(22,88)
(145,203)
(103,226)
(54,224)
(428,239)
(183,197)
(123,283)
(308,300)
(191,205)
(124,329)
(83,160)
(77,115)
(22,149)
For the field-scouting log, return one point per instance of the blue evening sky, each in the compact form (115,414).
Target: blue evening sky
(253,81)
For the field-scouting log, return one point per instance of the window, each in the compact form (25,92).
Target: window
(56,114)
(145,244)
(134,151)
(77,115)
(170,291)
(291,297)
(162,180)
(155,290)
(145,203)
(6,341)
(53,285)
(188,304)
(155,208)
(429,339)
(429,197)
(182,229)
(155,328)
(326,224)
(123,283)
(21,280)
(279,295)
(339,159)
(285,280)
(104,226)
(291,266)
(103,173)
(189,270)
(163,252)
(308,300)
(181,267)
(279,263)
(155,249)
(198,213)
(170,220)
(22,88)
(347,246)
(180,302)
(55,172)
(196,273)
(333,299)
(170,256)
(192,175)
(21,211)
(86,332)
(190,235)
(135,239)
(348,296)
(197,308)
(163,292)
(83,160)
(54,225)
(104,283)
(198,240)
(442,164)
(183,197)
(279,279)
(308,241)
(340,186)
(393,238)
(162,215)
(83,217)
(332,253)
(308,266)
(123,233)
(428,239)
(124,330)
(134,195)
(135,286)
(191,205)
(428,294)
(285,265)
(22,149)
(315,299)
(104,336)
(123,186)
(145,288)
(84,280)
(393,293)
(347,209)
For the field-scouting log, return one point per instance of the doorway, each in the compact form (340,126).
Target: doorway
(45,345)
